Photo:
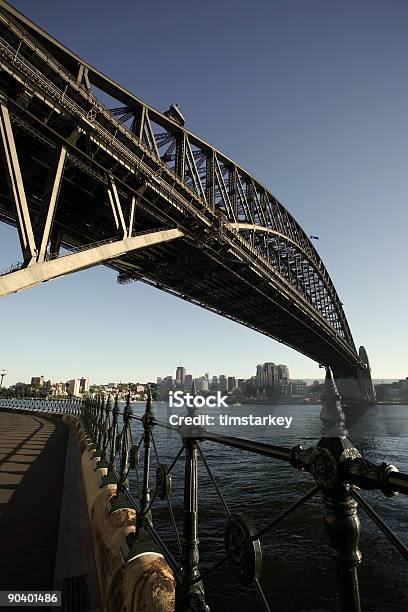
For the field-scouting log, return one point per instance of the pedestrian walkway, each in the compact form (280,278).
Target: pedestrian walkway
(44,530)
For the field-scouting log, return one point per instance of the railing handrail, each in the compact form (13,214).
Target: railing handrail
(396,481)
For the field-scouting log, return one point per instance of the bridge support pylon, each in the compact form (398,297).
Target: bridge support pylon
(358,388)
(366,379)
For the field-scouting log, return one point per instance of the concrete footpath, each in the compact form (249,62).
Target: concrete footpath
(45,538)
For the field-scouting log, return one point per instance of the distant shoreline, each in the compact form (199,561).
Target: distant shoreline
(314,402)
(390,403)
(266,402)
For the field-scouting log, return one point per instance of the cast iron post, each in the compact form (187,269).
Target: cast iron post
(121,500)
(326,462)
(100,426)
(148,422)
(190,594)
(113,448)
(106,427)
(106,433)
(341,518)
(343,529)
(95,413)
(140,541)
(110,477)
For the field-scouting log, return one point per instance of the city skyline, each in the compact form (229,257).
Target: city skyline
(322,135)
(194,373)
(187,372)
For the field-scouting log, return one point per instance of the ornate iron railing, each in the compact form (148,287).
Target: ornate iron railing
(335,464)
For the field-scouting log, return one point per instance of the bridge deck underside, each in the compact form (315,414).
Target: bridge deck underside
(193,275)
(214,279)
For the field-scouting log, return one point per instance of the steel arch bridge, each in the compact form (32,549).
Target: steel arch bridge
(131,188)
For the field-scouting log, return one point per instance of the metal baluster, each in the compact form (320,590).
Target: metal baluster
(92,419)
(326,462)
(99,435)
(92,405)
(83,413)
(102,463)
(341,519)
(110,477)
(141,541)
(96,442)
(87,415)
(95,419)
(148,422)
(106,425)
(121,500)
(343,528)
(92,409)
(100,425)
(190,593)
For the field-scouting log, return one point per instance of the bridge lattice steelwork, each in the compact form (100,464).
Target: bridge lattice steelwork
(132,188)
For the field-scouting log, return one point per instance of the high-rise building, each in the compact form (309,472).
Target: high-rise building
(59,388)
(267,374)
(272,380)
(298,387)
(73,386)
(164,387)
(83,385)
(188,381)
(180,375)
(403,383)
(259,369)
(232,383)
(201,384)
(283,372)
(223,384)
(37,381)
(214,383)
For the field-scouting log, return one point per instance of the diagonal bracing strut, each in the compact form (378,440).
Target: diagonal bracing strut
(46,270)
(25,229)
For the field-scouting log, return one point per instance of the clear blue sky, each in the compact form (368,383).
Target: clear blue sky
(312,98)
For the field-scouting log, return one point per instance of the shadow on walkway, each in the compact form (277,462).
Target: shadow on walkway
(32,465)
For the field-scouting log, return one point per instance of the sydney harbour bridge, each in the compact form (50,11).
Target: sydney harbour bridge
(131,188)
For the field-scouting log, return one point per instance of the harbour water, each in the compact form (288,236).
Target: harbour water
(297,572)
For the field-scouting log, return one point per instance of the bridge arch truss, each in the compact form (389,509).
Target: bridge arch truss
(109,173)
